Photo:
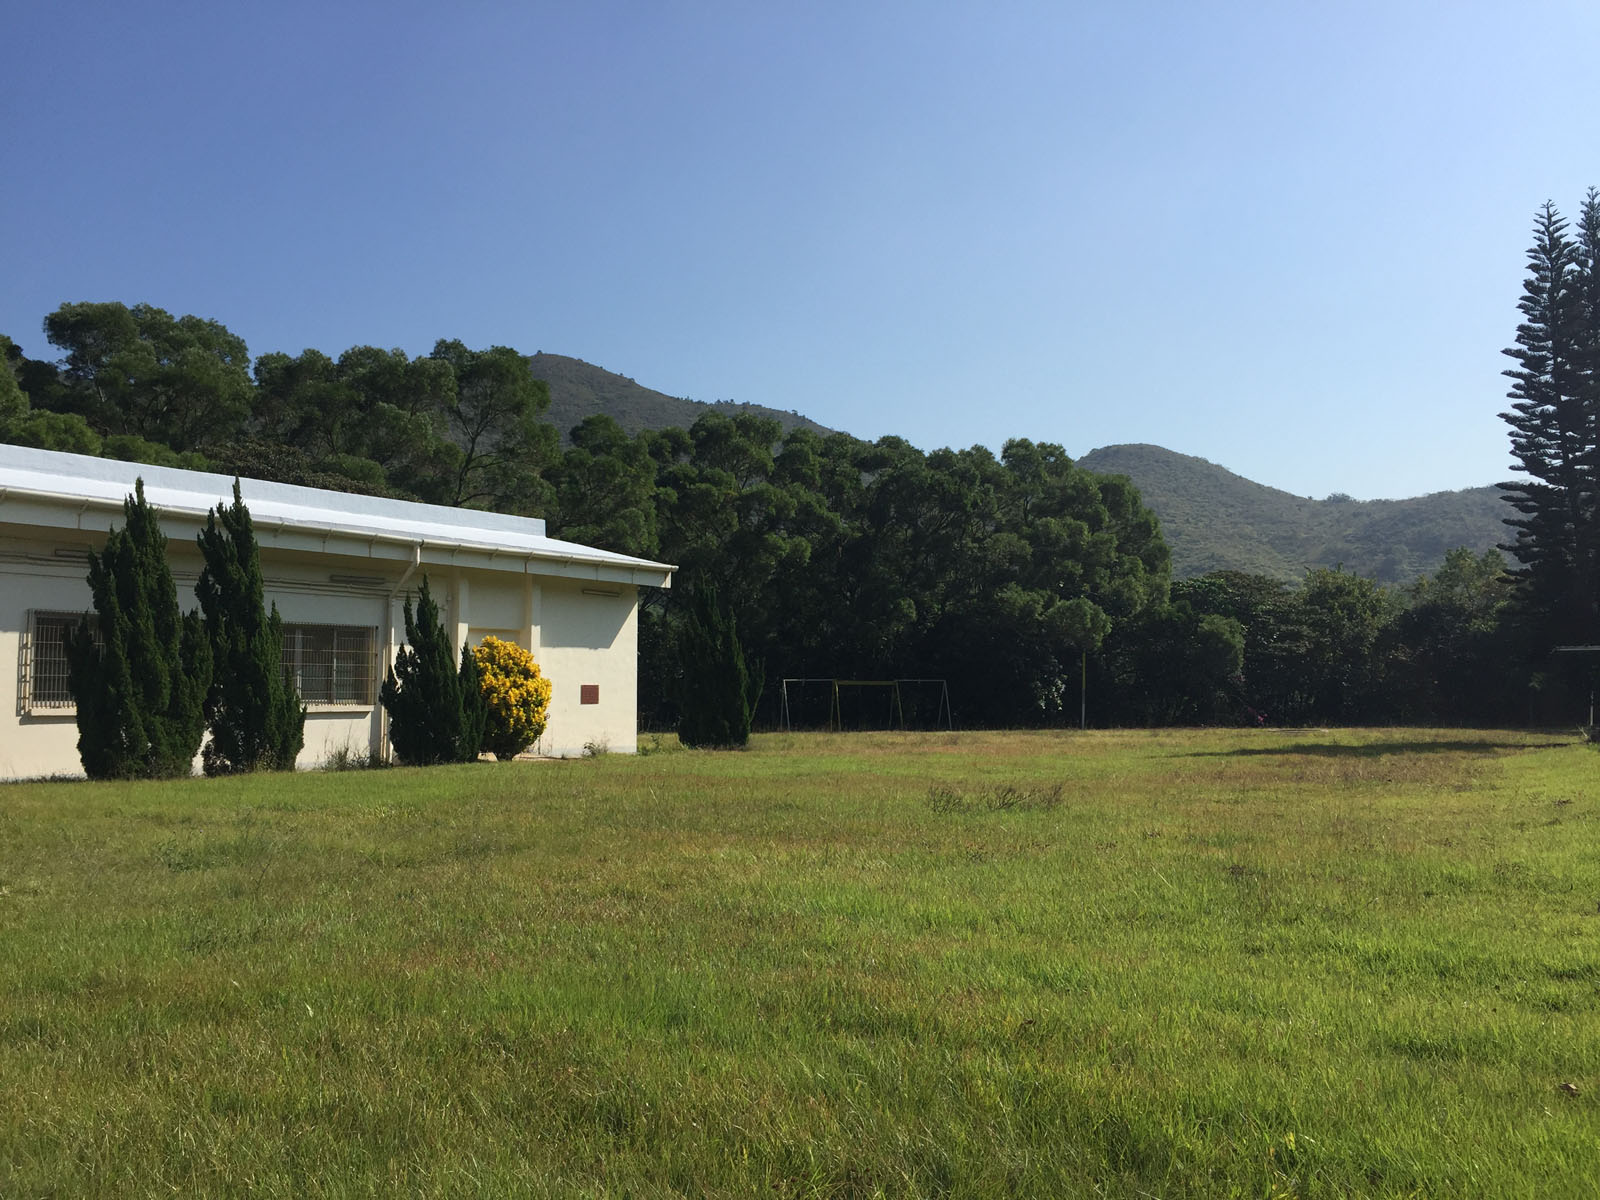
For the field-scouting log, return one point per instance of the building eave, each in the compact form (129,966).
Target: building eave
(68,500)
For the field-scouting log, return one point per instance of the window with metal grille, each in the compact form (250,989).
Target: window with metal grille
(42,672)
(330,664)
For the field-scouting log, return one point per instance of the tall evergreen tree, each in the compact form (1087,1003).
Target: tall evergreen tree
(140,689)
(430,720)
(719,690)
(474,706)
(256,719)
(1555,431)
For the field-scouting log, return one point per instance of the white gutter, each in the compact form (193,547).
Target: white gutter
(602,560)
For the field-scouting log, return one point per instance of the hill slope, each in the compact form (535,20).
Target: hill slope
(1215,520)
(579,389)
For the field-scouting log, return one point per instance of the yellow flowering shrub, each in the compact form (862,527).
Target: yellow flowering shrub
(516,695)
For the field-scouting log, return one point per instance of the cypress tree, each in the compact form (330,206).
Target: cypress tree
(719,690)
(474,707)
(140,692)
(430,721)
(256,719)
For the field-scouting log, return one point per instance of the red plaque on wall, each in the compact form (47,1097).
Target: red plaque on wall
(589,693)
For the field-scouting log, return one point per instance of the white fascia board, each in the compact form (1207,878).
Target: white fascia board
(177,490)
(570,560)
(51,490)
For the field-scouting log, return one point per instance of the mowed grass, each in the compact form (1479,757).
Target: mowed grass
(1132,964)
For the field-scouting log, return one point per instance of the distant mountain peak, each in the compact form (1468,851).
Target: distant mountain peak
(580,389)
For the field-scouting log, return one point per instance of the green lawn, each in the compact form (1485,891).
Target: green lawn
(1134,964)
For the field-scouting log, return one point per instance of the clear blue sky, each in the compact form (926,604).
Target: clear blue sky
(1287,237)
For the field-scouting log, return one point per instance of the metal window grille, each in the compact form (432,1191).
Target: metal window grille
(330,664)
(42,673)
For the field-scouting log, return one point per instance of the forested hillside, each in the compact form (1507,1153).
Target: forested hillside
(1012,577)
(1214,520)
(579,390)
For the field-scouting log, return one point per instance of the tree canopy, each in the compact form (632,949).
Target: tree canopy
(142,371)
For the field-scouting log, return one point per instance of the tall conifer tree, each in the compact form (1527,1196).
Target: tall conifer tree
(719,690)
(140,690)
(474,706)
(432,718)
(1555,430)
(256,719)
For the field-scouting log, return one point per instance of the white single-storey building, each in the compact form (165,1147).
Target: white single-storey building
(339,567)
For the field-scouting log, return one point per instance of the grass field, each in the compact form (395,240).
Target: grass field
(1166,964)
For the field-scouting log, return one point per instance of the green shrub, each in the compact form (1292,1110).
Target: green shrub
(429,721)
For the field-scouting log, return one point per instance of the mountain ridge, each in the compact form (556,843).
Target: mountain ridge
(580,389)
(1214,519)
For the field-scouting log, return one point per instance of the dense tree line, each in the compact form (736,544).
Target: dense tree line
(835,557)
(1337,649)
(1019,578)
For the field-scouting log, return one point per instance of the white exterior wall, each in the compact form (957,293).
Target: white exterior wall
(579,632)
(31,577)
(575,608)
(304,594)
(589,635)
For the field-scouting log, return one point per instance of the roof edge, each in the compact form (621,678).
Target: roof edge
(76,480)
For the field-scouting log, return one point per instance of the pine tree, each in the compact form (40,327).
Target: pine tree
(1555,430)
(256,719)
(719,690)
(1586,389)
(140,692)
(429,719)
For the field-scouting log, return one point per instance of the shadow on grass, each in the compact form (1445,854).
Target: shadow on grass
(1379,749)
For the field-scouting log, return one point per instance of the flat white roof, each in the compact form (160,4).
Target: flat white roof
(79,479)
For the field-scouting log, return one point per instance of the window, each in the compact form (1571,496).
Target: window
(42,672)
(330,664)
